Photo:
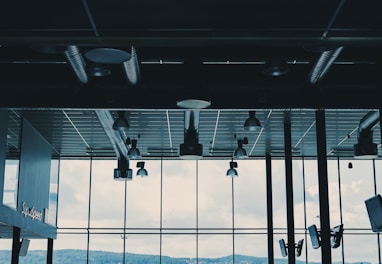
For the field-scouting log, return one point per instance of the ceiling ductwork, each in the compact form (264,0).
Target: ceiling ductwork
(115,137)
(365,148)
(131,68)
(77,62)
(323,64)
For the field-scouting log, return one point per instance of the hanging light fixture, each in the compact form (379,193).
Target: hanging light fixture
(133,152)
(123,172)
(252,123)
(142,171)
(240,152)
(232,172)
(121,122)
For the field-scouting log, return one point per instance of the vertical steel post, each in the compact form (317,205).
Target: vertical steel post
(289,187)
(326,254)
(268,165)
(16,245)
(49,255)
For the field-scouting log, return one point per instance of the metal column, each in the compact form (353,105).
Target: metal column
(289,187)
(326,254)
(16,245)
(268,165)
(49,255)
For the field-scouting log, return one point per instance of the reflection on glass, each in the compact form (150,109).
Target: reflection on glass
(11,180)
(53,195)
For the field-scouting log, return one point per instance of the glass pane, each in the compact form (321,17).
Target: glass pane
(312,208)
(215,246)
(250,195)
(143,197)
(179,193)
(378,176)
(356,186)
(74,193)
(106,248)
(11,170)
(178,246)
(298,195)
(70,248)
(279,193)
(311,193)
(254,245)
(334,200)
(5,250)
(11,181)
(214,194)
(145,245)
(107,196)
(53,193)
(360,248)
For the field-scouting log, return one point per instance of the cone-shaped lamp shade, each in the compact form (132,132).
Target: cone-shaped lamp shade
(252,123)
(121,122)
(240,152)
(134,152)
(232,172)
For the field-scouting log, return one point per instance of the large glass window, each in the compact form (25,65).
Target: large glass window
(192,210)
(214,194)
(144,197)
(179,193)
(107,196)
(74,193)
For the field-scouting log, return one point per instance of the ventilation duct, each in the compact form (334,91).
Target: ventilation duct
(323,64)
(115,137)
(77,62)
(365,148)
(191,149)
(131,68)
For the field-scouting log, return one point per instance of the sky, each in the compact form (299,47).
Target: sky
(181,181)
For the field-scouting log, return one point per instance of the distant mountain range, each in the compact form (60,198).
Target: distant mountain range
(70,256)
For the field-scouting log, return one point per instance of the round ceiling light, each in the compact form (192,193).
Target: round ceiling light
(193,104)
(107,55)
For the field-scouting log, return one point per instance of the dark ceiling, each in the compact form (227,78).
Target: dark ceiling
(211,50)
(203,49)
